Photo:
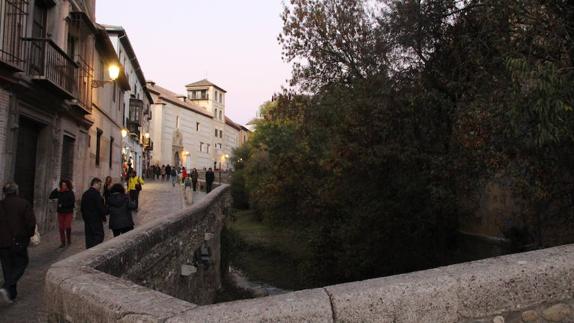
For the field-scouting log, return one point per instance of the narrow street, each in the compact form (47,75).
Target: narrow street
(157,199)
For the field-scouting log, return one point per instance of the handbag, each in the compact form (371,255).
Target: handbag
(35,239)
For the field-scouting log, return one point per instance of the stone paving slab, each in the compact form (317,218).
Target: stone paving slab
(157,199)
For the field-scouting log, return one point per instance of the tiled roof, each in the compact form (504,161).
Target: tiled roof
(204,82)
(167,95)
(232,124)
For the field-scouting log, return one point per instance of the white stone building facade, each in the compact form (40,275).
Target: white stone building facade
(192,130)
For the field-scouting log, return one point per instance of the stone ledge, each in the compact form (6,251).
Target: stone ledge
(311,305)
(480,290)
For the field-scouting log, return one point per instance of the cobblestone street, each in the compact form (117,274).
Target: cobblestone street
(157,199)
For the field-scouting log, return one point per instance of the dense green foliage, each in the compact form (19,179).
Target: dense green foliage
(399,109)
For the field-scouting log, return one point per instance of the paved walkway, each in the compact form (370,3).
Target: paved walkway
(157,199)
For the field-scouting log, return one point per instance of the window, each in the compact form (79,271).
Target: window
(216,132)
(177,122)
(220,133)
(216,96)
(111,150)
(208,148)
(197,126)
(220,115)
(39,23)
(215,113)
(201,146)
(98,142)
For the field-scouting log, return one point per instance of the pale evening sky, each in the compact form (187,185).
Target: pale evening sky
(230,42)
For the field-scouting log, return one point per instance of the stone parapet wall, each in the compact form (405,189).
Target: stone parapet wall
(142,273)
(99,285)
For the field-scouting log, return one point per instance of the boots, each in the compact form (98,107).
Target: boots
(62,238)
(69,235)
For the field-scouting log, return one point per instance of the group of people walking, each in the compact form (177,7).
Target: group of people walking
(189,179)
(18,222)
(95,206)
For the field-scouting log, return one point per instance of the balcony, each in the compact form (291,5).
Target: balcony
(148,144)
(49,64)
(136,111)
(134,130)
(13,22)
(83,98)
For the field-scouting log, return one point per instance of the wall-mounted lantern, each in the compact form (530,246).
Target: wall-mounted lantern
(113,73)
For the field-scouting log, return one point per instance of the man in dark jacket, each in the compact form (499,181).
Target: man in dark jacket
(17,224)
(209,178)
(93,213)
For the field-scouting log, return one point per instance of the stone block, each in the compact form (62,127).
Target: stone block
(426,296)
(302,306)
(557,312)
(529,316)
(515,282)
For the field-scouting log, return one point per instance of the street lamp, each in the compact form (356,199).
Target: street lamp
(113,73)
(124,132)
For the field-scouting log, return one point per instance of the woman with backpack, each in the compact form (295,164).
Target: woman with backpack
(66,204)
(120,208)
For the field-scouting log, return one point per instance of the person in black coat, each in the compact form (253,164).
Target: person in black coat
(120,208)
(66,205)
(17,223)
(94,214)
(209,178)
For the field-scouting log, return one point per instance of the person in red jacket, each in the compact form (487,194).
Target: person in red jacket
(17,224)
(66,205)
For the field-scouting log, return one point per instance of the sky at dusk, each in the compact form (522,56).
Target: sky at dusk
(232,43)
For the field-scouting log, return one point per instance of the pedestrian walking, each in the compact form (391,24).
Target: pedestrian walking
(135,184)
(94,213)
(66,204)
(168,172)
(157,172)
(162,172)
(183,174)
(120,208)
(194,178)
(17,224)
(173,176)
(107,187)
(209,178)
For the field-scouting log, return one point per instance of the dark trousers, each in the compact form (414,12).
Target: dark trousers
(134,197)
(194,183)
(117,232)
(208,186)
(94,233)
(14,262)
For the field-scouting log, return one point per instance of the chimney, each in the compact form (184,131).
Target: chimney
(182,98)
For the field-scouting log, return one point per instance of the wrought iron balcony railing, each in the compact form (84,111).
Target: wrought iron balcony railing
(47,62)
(85,77)
(13,22)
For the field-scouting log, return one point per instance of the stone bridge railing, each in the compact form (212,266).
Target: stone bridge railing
(148,276)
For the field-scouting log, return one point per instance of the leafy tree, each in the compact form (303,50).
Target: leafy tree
(403,109)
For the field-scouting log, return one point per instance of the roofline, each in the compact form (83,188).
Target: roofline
(110,53)
(125,40)
(178,103)
(215,86)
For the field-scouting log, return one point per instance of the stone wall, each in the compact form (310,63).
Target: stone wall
(152,268)
(111,283)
